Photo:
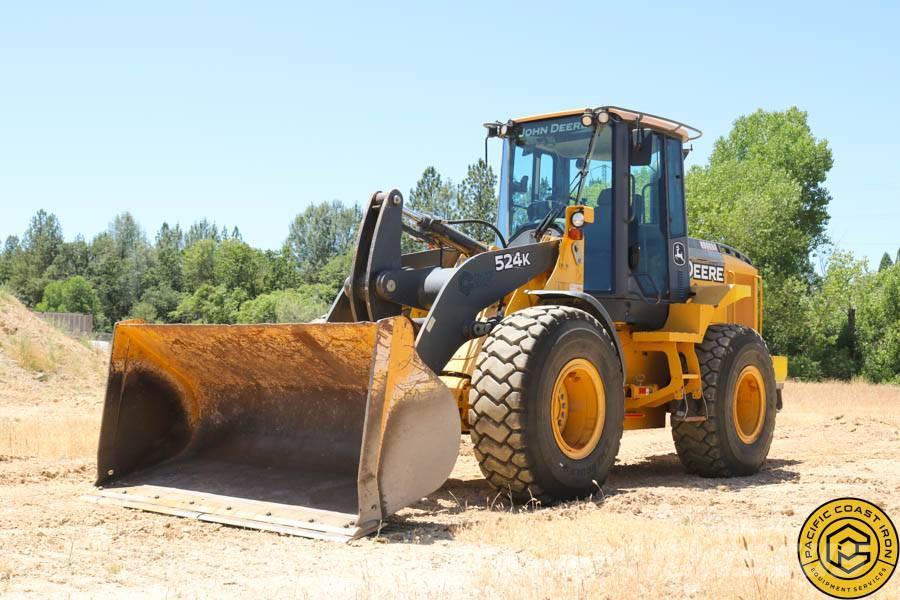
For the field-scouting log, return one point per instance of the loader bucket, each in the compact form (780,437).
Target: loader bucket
(317,430)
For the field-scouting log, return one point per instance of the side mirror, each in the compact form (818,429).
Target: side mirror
(641,149)
(521,186)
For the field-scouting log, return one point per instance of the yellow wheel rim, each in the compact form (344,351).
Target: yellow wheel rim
(749,406)
(578,409)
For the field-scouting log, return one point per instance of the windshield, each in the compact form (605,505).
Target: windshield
(542,173)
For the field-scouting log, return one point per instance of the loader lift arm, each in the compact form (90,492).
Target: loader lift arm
(381,285)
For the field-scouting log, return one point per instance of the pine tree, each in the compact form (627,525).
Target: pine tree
(477,200)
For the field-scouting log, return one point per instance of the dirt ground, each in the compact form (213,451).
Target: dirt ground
(651,531)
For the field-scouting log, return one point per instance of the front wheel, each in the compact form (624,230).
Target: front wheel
(740,395)
(546,407)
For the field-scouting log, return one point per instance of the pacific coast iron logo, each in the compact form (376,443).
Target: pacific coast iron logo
(848,548)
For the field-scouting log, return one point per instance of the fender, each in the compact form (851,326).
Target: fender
(591,305)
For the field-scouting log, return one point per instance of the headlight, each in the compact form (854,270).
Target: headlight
(577,219)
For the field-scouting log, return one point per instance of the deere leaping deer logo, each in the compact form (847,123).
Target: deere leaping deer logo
(678,254)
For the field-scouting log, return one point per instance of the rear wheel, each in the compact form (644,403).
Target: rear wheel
(546,405)
(740,395)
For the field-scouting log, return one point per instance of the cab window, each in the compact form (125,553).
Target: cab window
(648,231)
(675,188)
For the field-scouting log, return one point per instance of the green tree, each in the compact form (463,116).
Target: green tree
(201,230)
(7,257)
(210,304)
(754,207)
(157,303)
(39,248)
(72,259)
(886,262)
(199,264)
(283,306)
(145,311)
(763,193)
(320,232)
(849,322)
(306,305)
(330,279)
(74,295)
(120,260)
(127,235)
(831,319)
(106,271)
(878,325)
(168,257)
(784,140)
(260,309)
(785,312)
(280,271)
(238,266)
(432,195)
(133,250)
(477,200)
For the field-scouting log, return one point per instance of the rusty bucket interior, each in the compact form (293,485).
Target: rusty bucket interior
(319,430)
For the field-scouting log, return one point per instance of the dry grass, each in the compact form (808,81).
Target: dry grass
(34,355)
(6,574)
(597,550)
(37,346)
(53,438)
(584,551)
(43,369)
(835,397)
(50,388)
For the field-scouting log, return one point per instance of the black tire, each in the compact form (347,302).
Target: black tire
(713,448)
(510,403)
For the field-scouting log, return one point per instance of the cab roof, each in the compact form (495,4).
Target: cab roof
(682,130)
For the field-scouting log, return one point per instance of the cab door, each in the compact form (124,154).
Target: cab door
(648,232)
(657,231)
(680,269)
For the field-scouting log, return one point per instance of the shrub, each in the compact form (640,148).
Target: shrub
(75,295)
(284,306)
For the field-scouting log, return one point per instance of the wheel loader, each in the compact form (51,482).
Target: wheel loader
(591,312)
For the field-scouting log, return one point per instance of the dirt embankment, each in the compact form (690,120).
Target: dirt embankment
(50,386)
(651,531)
(40,364)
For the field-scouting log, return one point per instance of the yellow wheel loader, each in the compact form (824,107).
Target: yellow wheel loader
(592,312)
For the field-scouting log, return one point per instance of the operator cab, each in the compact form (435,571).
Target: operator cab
(628,167)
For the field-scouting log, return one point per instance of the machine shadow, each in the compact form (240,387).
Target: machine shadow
(433,519)
(665,470)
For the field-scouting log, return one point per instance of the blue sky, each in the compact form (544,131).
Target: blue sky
(246,112)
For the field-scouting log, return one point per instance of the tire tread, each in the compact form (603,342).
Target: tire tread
(497,411)
(698,444)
